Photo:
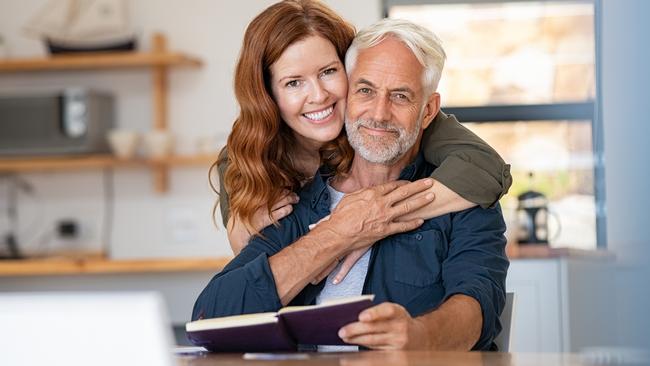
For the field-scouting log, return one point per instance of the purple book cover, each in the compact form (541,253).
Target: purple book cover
(320,326)
(266,337)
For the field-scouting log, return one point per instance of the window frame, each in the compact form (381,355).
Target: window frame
(574,111)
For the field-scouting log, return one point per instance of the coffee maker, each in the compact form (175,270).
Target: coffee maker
(532,218)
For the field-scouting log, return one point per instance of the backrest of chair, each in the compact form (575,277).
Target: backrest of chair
(504,339)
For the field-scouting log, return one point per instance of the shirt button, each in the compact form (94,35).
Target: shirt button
(418,236)
(326,196)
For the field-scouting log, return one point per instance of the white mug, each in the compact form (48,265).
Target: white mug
(158,144)
(123,143)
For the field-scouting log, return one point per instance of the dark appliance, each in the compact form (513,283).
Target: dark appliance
(74,121)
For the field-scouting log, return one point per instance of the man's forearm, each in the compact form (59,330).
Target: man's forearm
(299,263)
(456,325)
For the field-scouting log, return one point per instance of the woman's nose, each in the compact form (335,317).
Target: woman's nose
(319,93)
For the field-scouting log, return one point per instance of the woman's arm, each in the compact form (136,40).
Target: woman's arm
(238,234)
(466,165)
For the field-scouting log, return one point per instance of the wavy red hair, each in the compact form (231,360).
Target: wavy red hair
(259,158)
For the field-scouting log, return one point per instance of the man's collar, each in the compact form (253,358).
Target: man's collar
(317,187)
(410,172)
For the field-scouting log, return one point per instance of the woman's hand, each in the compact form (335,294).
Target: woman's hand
(238,234)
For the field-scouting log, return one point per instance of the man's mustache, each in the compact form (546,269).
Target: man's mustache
(384,125)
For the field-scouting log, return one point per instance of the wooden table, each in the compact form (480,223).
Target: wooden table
(397,358)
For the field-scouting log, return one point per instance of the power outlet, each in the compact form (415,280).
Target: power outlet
(67,229)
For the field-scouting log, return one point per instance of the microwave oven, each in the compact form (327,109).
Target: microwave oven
(73,121)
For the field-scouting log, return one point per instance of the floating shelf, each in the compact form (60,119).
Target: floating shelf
(71,266)
(94,61)
(85,162)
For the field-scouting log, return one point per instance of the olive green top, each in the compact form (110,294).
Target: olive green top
(466,164)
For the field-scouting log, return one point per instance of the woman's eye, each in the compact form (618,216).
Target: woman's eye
(329,71)
(292,84)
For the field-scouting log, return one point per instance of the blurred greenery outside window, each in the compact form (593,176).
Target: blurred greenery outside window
(521,75)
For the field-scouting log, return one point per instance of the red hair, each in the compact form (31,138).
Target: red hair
(259,155)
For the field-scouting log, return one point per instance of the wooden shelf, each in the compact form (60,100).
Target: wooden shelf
(97,162)
(94,61)
(538,251)
(63,266)
(158,61)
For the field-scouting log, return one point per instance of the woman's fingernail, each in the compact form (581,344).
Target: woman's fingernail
(430,196)
(336,281)
(429,182)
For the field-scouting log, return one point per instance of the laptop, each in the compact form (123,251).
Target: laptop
(84,328)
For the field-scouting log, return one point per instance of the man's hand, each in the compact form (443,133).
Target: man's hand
(359,220)
(386,326)
(368,215)
(371,214)
(346,264)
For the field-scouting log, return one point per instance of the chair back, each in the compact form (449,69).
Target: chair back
(504,339)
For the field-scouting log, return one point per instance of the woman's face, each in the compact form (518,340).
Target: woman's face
(309,85)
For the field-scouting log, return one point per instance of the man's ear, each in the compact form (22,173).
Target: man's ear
(431,109)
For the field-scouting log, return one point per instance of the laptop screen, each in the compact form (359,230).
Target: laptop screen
(84,329)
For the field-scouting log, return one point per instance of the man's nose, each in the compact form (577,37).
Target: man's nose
(319,93)
(381,109)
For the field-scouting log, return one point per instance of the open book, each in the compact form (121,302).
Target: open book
(280,331)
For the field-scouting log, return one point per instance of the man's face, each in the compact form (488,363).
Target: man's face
(387,109)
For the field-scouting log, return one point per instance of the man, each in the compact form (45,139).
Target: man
(440,285)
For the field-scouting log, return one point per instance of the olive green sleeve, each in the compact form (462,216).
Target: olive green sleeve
(466,164)
(224,204)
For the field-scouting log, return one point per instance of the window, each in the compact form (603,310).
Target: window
(521,75)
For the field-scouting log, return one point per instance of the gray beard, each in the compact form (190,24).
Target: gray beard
(381,149)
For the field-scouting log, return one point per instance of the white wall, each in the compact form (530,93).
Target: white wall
(201,103)
(625,80)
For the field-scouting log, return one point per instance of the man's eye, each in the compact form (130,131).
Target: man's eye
(293,84)
(365,90)
(401,96)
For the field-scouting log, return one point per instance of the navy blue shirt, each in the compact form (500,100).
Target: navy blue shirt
(456,253)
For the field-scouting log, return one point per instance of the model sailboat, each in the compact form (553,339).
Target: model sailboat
(83,26)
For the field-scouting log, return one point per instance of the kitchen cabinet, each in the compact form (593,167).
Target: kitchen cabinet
(563,304)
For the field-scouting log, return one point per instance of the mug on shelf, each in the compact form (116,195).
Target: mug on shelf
(123,143)
(158,144)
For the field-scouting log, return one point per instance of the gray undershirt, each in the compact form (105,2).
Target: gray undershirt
(352,284)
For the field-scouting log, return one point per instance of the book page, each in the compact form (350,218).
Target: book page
(231,321)
(331,302)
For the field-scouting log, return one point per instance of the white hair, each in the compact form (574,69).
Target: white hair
(424,44)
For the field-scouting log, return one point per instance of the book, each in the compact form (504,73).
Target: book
(283,330)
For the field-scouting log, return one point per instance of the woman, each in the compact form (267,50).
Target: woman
(291,87)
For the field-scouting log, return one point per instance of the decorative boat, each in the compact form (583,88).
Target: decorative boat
(72,26)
